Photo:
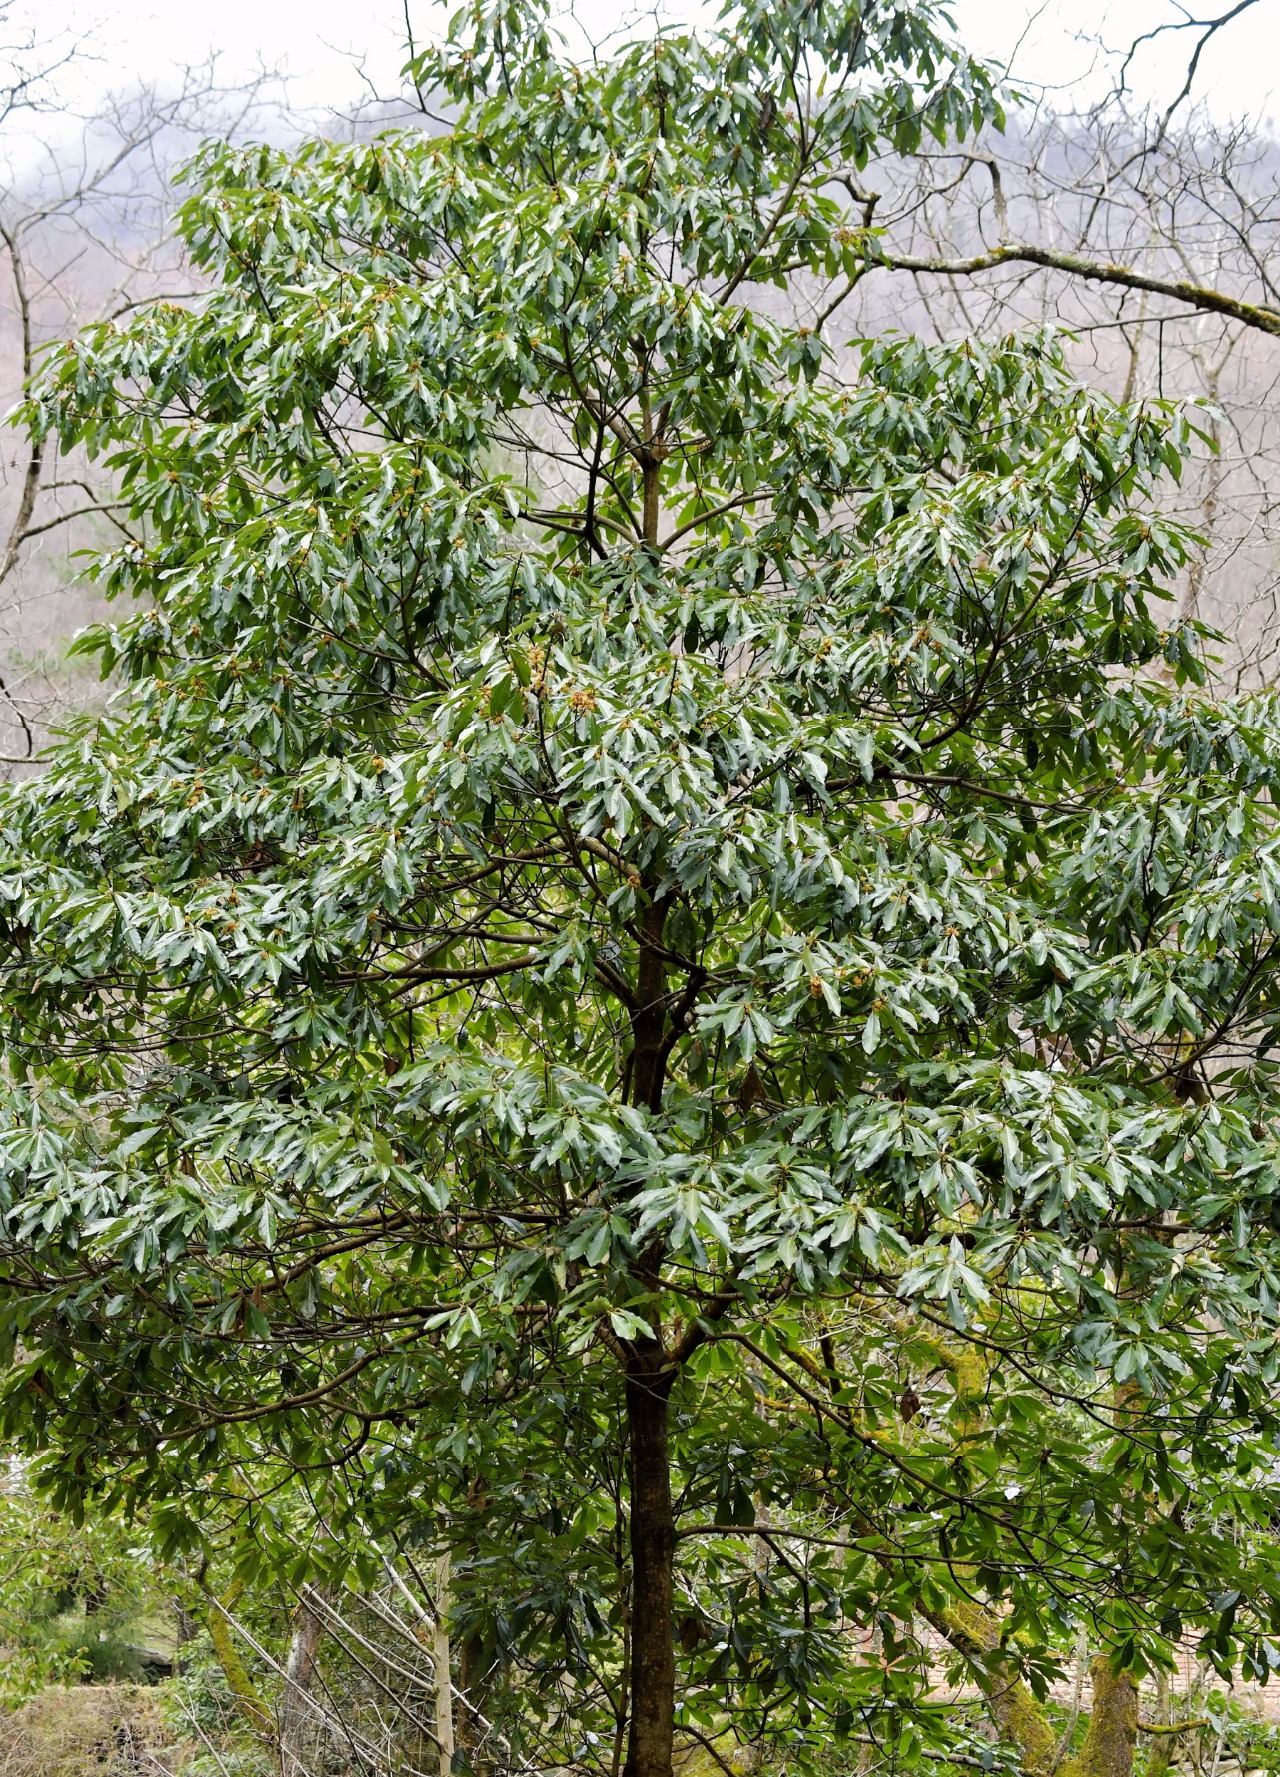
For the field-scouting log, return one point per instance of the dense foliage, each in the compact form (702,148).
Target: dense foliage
(662,977)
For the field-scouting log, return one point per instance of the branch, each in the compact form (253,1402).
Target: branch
(1210,27)
(684,1727)
(707,517)
(763,239)
(411,972)
(312,1397)
(35,462)
(700,1330)
(1196,296)
(50,524)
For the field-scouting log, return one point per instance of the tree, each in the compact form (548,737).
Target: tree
(661,979)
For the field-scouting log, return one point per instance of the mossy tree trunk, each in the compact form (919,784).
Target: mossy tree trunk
(1112,1734)
(1020,1721)
(245,1693)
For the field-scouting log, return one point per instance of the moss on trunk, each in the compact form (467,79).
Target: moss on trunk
(1113,1725)
(1020,1721)
(234,1670)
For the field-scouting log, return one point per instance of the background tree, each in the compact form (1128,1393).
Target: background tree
(86,208)
(77,1600)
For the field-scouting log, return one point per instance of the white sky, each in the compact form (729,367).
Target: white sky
(319,40)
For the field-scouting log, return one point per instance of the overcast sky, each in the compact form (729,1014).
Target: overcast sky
(317,41)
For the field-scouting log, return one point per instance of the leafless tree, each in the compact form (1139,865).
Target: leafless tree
(85,204)
(1153,236)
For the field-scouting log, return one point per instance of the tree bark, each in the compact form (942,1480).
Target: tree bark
(443,1662)
(1113,1725)
(296,1715)
(653,1542)
(234,1670)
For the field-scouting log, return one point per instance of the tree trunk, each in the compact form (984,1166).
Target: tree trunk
(443,1663)
(1112,1734)
(1212,493)
(296,1714)
(475,1661)
(1113,1725)
(1020,1720)
(234,1670)
(1160,1750)
(649,1378)
(653,1541)
(475,1674)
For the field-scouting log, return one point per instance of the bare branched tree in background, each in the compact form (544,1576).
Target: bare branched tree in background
(85,203)
(1154,235)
